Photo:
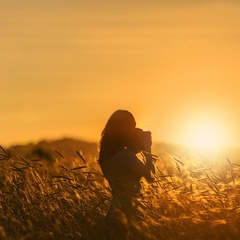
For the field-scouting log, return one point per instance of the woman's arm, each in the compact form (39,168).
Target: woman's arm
(135,165)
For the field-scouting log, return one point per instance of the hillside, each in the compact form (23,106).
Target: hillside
(50,150)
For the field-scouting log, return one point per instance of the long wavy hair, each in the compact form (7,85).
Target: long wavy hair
(117,134)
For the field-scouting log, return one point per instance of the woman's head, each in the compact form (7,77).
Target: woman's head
(120,124)
(117,133)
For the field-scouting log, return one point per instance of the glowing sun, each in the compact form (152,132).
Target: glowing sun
(206,134)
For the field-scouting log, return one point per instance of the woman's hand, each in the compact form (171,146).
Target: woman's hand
(147,141)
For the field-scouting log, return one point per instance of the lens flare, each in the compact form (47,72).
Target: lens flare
(206,134)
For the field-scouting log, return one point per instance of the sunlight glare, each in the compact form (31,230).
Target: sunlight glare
(206,134)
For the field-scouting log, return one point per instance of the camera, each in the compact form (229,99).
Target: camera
(142,140)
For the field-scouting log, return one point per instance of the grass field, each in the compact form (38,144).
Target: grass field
(69,198)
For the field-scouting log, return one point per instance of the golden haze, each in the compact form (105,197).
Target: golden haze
(66,67)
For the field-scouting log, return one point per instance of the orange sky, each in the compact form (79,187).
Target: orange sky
(65,66)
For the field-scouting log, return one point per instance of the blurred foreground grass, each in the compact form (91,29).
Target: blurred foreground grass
(58,194)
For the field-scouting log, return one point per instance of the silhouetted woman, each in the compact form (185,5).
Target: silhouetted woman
(120,141)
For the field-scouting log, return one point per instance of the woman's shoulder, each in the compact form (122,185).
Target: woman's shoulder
(124,153)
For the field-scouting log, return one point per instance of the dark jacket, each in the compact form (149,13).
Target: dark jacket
(123,172)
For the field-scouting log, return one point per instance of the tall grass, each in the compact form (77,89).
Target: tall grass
(69,199)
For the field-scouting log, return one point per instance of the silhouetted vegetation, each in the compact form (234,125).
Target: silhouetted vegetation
(68,198)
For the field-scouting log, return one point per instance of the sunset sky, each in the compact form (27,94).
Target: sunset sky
(66,65)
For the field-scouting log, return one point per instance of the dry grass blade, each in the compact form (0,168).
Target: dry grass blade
(190,170)
(2,167)
(235,164)
(204,191)
(3,157)
(177,187)
(229,162)
(80,155)
(18,169)
(215,186)
(61,166)
(59,153)
(4,150)
(100,203)
(23,159)
(176,159)
(64,177)
(36,160)
(178,168)
(94,173)
(23,163)
(166,175)
(203,169)
(76,168)
(202,179)
(54,193)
